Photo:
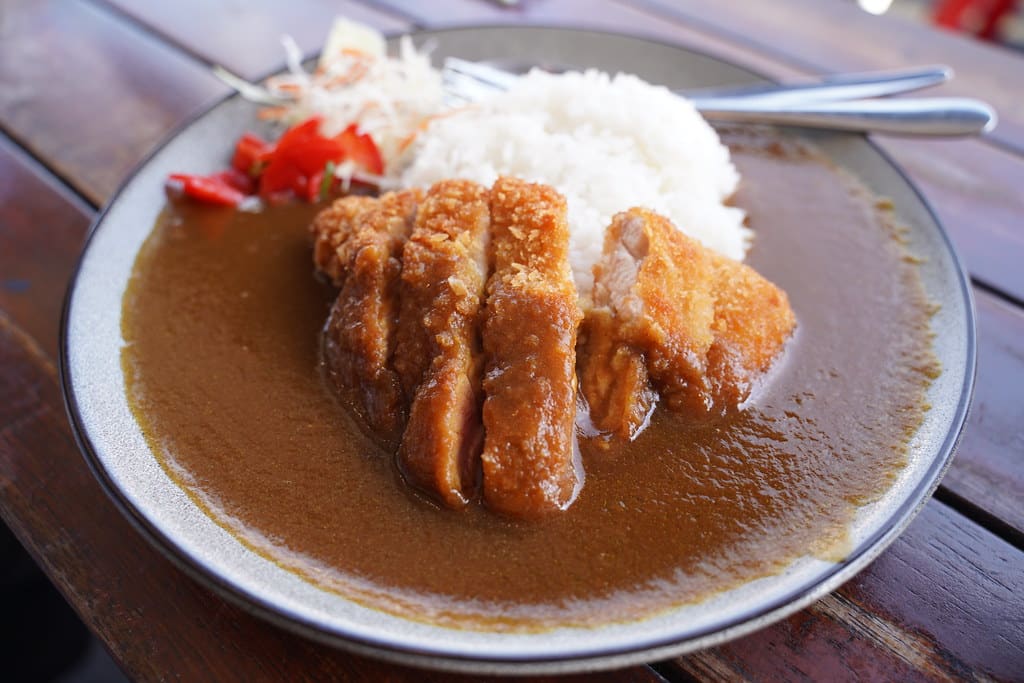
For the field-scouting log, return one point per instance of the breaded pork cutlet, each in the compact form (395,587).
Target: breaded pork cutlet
(708,327)
(753,321)
(529,337)
(438,351)
(613,378)
(359,337)
(332,230)
(657,284)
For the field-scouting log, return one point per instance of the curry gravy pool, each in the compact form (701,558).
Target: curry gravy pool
(222,320)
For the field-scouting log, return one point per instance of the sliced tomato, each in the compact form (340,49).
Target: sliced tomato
(242,182)
(360,148)
(301,153)
(313,186)
(251,152)
(210,189)
(294,167)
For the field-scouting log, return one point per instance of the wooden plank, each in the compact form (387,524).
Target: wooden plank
(838,36)
(158,623)
(975,189)
(941,604)
(987,470)
(41,229)
(600,15)
(88,93)
(247,39)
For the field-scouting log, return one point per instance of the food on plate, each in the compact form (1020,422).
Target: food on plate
(613,379)
(236,408)
(669,319)
(529,335)
(708,326)
(439,355)
(603,143)
(753,321)
(303,164)
(552,273)
(349,122)
(360,334)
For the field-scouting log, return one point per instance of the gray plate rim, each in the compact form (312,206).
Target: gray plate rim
(607,657)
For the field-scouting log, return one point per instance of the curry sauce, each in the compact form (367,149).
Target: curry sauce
(222,322)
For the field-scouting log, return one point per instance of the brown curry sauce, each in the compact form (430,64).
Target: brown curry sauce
(222,320)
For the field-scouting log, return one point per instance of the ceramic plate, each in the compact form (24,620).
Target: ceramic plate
(118,453)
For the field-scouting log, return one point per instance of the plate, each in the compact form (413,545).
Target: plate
(116,450)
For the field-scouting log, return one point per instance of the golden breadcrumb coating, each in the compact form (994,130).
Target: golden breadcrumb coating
(529,337)
(438,355)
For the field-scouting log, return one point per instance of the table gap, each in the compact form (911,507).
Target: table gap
(1006,297)
(119,15)
(61,183)
(983,518)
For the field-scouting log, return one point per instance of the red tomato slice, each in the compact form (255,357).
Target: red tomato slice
(208,189)
(360,148)
(300,154)
(250,152)
(242,182)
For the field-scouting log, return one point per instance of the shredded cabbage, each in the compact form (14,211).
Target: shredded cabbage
(355,81)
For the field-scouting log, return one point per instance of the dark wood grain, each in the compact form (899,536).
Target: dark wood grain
(88,93)
(989,466)
(941,604)
(975,189)
(246,37)
(157,622)
(604,15)
(41,230)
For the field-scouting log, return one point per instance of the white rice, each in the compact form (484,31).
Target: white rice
(607,144)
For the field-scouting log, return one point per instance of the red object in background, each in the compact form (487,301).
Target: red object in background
(977,17)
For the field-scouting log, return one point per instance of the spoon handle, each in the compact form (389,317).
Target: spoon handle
(829,89)
(940,116)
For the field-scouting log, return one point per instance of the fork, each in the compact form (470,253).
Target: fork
(834,103)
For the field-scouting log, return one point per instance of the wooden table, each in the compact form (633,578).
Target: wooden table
(87,87)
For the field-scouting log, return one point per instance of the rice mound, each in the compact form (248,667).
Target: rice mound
(607,144)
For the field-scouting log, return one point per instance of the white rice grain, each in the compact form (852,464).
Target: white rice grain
(607,144)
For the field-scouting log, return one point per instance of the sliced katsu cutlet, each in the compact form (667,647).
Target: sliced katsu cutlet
(332,229)
(613,378)
(529,337)
(753,321)
(359,337)
(443,276)
(657,283)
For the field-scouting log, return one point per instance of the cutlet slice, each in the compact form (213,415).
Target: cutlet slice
(753,321)
(331,229)
(438,354)
(657,283)
(359,336)
(529,338)
(613,378)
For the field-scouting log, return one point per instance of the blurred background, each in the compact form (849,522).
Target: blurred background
(997,21)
